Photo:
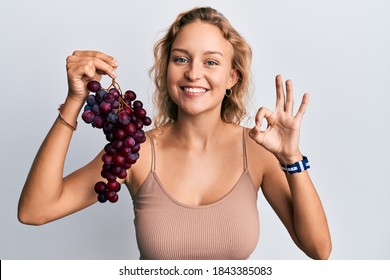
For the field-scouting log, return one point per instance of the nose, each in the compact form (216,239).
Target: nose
(194,72)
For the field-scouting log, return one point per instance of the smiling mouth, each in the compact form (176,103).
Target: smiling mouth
(194,90)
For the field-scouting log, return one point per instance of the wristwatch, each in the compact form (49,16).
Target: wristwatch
(297,167)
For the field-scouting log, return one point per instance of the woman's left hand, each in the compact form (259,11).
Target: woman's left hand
(281,137)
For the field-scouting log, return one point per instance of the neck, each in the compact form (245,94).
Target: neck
(197,132)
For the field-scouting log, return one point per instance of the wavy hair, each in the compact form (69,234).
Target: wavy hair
(234,107)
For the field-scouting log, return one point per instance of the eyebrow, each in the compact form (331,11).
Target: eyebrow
(186,52)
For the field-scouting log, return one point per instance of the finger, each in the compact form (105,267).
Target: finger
(104,68)
(289,97)
(256,134)
(261,114)
(96,54)
(303,106)
(280,102)
(89,66)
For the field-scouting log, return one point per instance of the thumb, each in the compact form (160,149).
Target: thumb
(257,135)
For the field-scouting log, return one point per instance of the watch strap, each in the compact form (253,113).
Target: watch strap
(296,167)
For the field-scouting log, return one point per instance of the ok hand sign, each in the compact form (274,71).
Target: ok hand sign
(281,137)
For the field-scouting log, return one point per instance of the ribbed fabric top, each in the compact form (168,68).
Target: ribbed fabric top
(168,229)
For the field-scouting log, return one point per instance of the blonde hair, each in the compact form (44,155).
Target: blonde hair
(233,108)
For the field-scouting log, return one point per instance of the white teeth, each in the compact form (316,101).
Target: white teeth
(194,90)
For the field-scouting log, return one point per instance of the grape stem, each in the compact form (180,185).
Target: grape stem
(122,102)
(115,85)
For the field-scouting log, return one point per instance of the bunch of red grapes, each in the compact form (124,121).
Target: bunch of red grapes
(122,118)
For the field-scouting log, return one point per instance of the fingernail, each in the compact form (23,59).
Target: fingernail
(115,63)
(114,74)
(253,131)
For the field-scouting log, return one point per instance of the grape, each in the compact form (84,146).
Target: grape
(130,95)
(109,136)
(105,107)
(123,173)
(94,86)
(87,107)
(111,196)
(96,109)
(117,144)
(132,158)
(115,104)
(113,186)
(137,104)
(108,127)
(128,111)
(100,187)
(102,198)
(121,117)
(114,92)
(119,133)
(130,128)
(140,113)
(107,159)
(109,97)
(135,148)
(118,159)
(112,117)
(129,141)
(147,121)
(91,100)
(115,170)
(88,116)
(98,122)
(138,136)
(125,150)
(138,124)
(109,176)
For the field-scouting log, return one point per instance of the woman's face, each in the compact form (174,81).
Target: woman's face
(200,69)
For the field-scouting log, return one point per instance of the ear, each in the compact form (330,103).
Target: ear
(233,78)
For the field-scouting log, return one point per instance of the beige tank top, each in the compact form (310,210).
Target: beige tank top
(168,229)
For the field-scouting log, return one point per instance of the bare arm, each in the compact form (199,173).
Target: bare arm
(292,196)
(296,202)
(47,195)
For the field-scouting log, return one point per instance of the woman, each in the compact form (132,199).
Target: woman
(195,185)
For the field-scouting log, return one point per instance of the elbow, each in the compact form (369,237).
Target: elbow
(31,222)
(322,251)
(30,214)
(26,218)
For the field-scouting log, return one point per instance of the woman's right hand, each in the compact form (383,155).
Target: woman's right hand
(83,66)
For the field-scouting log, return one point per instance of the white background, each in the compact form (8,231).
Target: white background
(336,50)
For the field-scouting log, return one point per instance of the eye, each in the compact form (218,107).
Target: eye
(180,59)
(211,63)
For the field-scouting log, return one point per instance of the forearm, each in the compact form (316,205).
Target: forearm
(310,223)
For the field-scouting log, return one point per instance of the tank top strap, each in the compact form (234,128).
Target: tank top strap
(153,165)
(244,156)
